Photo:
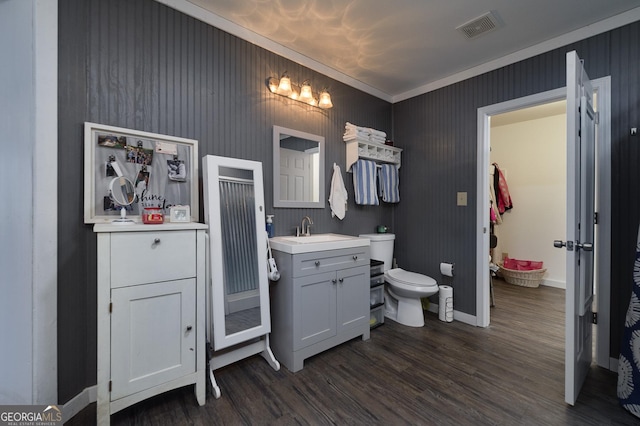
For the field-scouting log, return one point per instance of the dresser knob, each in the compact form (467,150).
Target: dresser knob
(355,257)
(156,241)
(317,263)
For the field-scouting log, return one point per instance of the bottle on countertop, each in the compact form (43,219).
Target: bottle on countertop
(270,230)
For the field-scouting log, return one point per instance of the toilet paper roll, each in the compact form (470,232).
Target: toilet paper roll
(446,269)
(445,305)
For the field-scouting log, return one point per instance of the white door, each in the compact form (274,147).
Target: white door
(580,226)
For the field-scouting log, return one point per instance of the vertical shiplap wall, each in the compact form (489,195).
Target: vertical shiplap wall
(438,132)
(141,65)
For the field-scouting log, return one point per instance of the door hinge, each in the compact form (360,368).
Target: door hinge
(594,317)
(110,383)
(595,218)
(110,307)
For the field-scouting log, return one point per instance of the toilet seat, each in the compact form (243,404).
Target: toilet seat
(410,280)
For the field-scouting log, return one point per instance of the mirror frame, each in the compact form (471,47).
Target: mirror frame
(277,202)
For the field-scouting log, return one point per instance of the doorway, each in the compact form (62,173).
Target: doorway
(602,87)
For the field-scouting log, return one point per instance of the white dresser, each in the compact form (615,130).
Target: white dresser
(151,312)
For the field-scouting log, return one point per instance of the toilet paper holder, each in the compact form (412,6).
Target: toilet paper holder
(447,269)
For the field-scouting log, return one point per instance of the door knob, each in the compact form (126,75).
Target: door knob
(584,246)
(560,244)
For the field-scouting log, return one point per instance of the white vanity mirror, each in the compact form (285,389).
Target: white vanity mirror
(122,191)
(298,169)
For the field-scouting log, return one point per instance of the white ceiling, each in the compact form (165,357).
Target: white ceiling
(396,49)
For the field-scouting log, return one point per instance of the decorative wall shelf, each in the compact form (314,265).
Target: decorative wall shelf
(371,151)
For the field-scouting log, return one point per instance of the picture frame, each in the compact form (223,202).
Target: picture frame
(180,214)
(162,168)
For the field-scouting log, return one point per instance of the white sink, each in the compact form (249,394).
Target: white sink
(318,242)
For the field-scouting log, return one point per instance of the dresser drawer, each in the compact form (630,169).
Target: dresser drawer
(147,257)
(330,260)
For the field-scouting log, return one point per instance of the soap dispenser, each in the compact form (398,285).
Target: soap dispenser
(270,225)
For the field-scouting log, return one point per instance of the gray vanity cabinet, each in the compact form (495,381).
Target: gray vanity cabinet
(320,301)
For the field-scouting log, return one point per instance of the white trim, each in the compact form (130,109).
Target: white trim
(225,25)
(45,199)
(457,315)
(554,283)
(603,244)
(79,402)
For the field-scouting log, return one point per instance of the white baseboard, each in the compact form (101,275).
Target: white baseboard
(554,283)
(457,315)
(79,402)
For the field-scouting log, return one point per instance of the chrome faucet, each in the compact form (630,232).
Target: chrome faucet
(306,233)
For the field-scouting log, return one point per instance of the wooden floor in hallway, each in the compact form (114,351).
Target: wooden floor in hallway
(510,373)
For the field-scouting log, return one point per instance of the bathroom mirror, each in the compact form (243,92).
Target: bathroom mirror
(298,169)
(234,211)
(122,191)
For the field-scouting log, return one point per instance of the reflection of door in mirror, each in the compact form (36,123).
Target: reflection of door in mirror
(234,210)
(298,174)
(298,169)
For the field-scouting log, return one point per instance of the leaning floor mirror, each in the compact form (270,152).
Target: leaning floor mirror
(238,301)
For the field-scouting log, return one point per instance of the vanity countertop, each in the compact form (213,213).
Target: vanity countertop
(317,242)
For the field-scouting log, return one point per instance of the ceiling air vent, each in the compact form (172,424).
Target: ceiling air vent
(480,25)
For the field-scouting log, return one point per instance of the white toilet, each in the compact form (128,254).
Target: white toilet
(403,289)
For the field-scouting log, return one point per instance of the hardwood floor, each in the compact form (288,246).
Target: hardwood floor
(511,373)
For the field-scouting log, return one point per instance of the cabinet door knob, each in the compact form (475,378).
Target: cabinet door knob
(156,241)
(341,280)
(334,281)
(189,328)
(355,257)
(317,263)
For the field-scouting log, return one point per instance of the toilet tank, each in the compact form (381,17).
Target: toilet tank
(381,247)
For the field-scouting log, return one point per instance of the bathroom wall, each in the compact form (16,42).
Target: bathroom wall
(532,155)
(141,65)
(438,132)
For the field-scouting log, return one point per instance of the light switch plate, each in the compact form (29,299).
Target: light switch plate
(462,198)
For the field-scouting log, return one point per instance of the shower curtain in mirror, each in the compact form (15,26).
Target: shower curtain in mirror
(629,362)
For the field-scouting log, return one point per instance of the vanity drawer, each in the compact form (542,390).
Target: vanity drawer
(330,260)
(147,257)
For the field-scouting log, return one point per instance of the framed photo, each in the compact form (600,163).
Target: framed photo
(163,171)
(180,214)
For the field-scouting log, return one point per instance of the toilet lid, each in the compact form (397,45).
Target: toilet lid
(411,278)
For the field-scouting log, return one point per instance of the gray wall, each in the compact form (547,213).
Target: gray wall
(141,65)
(438,133)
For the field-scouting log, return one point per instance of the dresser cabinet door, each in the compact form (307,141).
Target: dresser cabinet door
(153,335)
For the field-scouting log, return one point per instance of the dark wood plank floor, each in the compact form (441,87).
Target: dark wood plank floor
(511,373)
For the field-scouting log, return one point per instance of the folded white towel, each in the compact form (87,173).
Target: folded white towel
(338,196)
(364,182)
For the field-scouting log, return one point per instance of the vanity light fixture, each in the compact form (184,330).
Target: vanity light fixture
(304,93)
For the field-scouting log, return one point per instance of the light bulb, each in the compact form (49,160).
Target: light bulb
(325,100)
(284,88)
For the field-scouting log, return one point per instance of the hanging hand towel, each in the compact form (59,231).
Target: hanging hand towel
(364,182)
(338,195)
(389,183)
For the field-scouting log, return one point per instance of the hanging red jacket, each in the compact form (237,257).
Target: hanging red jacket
(502,191)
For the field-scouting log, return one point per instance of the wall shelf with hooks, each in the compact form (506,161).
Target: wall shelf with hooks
(371,151)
